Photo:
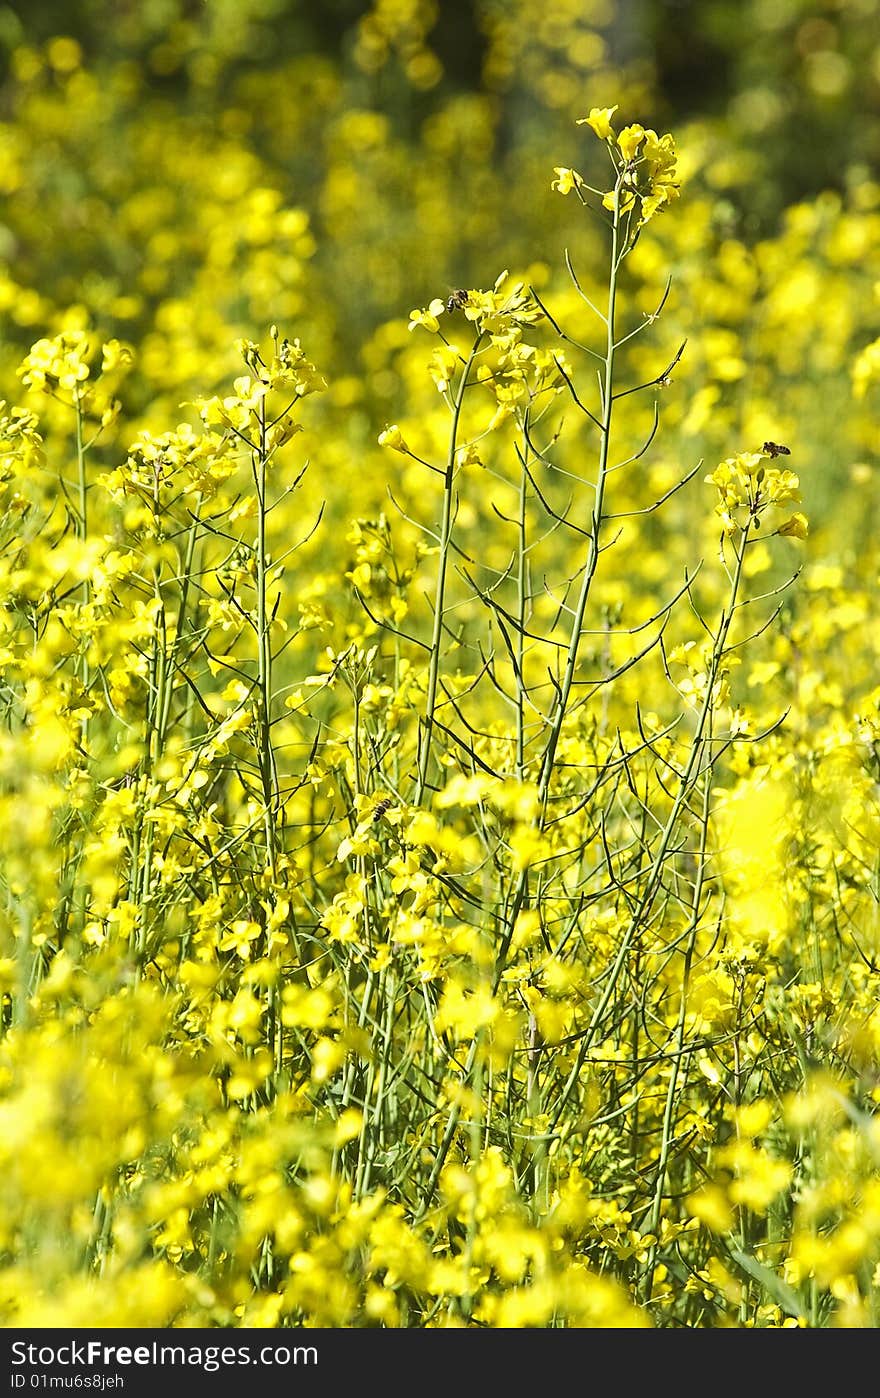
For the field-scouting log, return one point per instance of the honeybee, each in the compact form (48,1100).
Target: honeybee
(456,300)
(384,805)
(774,449)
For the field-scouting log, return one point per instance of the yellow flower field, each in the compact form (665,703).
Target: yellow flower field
(439,796)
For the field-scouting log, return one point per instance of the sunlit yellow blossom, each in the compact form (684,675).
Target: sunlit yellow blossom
(567,180)
(796,527)
(629,140)
(428,318)
(393,437)
(600,121)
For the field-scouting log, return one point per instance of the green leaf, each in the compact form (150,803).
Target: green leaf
(780,1291)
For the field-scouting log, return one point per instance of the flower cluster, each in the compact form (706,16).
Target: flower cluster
(748,486)
(645,164)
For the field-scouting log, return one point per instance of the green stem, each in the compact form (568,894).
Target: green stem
(596,520)
(673,1092)
(81,476)
(375,1105)
(266,754)
(83,533)
(684,788)
(547,762)
(521,590)
(186,580)
(440,597)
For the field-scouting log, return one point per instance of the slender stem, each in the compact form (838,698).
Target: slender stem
(186,580)
(546,772)
(521,597)
(83,534)
(81,477)
(678,1066)
(375,1105)
(440,597)
(596,519)
(577,626)
(266,754)
(447,1139)
(652,883)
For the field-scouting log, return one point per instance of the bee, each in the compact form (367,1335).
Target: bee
(774,449)
(384,805)
(457,300)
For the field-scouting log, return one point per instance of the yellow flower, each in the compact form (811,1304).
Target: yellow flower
(600,121)
(468,456)
(116,355)
(428,318)
(622,199)
(566,180)
(61,363)
(393,437)
(444,362)
(291,370)
(629,140)
(866,369)
(795,528)
(465,1011)
(749,462)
